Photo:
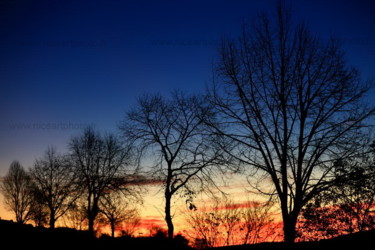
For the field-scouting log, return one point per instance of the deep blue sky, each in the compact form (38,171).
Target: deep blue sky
(67,64)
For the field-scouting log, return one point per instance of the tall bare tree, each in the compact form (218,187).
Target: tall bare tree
(55,186)
(175,137)
(290,105)
(101,163)
(17,188)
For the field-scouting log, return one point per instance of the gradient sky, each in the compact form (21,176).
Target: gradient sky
(68,64)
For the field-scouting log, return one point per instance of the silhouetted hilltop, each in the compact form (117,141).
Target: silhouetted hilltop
(362,240)
(19,236)
(29,237)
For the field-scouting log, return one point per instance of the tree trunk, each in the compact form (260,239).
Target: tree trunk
(91,224)
(92,213)
(113,229)
(290,222)
(91,221)
(168,217)
(52,221)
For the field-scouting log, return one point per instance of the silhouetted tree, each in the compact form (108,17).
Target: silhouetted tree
(227,223)
(116,210)
(16,188)
(129,227)
(173,132)
(101,164)
(39,213)
(76,216)
(55,186)
(349,205)
(290,106)
(257,223)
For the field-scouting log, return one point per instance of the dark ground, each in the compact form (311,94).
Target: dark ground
(16,236)
(357,241)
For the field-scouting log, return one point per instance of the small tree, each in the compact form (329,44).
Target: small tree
(116,210)
(228,223)
(76,216)
(257,223)
(39,214)
(101,163)
(55,186)
(17,189)
(129,227)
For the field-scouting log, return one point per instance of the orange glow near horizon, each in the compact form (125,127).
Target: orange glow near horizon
(152,212)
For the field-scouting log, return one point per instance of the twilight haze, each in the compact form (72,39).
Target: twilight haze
(69,64)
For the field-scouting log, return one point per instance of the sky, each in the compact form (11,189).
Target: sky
(67,64)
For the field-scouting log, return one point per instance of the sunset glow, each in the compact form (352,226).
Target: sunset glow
(187,125)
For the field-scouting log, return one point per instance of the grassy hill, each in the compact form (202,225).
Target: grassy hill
(28,237)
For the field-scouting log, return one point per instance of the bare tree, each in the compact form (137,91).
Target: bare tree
(206,231)
(228,223)
(290,106)
(38,211)
(101,164)
(172,131)
(116,210)
(16,188)
(55,186)
(257,222)
(39,214)
(76,216)
(130,226)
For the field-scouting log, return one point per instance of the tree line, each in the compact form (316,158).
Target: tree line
(284,109)
(93,173)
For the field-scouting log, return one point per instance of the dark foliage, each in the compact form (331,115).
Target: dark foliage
(349,205)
